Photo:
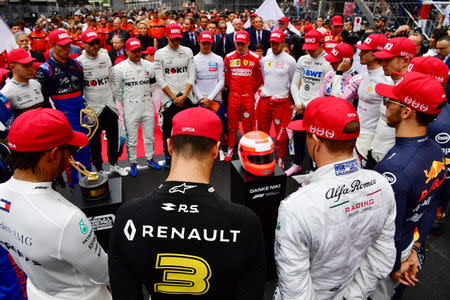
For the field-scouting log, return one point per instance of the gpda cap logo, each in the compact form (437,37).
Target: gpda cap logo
(175,30)
(92,33)
(310,40)
(132,43)
(241,36)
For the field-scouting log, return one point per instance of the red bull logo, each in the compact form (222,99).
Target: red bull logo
(436,168)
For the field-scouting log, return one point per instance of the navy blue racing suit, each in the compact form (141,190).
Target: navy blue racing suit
(6,116)
(415,167)
(63,83)
(439,131)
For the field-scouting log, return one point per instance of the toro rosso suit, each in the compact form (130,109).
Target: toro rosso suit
(243,78)
(63,83)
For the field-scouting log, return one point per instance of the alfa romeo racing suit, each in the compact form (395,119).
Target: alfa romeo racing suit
(186,242)
(369,109)
(275,103)
(174,68)
(131,85)
(243,78)
(23,96)
(415,167)
(439,130)
(53,243)
(342,85)
(308,79)
(63,84)
(98,93)
(335,236)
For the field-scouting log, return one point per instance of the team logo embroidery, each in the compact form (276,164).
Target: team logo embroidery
(181,188)
(245,62)
(5,205)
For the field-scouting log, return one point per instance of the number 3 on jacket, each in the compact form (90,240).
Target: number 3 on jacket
(183,274)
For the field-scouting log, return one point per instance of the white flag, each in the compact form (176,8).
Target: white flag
(270,12)
(7,42)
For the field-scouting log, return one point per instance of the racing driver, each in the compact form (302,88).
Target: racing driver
(61,78)
(184,241)
(334,236)
(50,239)
(243,78)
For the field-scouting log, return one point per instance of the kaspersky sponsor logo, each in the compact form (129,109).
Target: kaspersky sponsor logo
(177,70)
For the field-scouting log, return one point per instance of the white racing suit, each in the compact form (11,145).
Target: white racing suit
(53,242)
(132,86)
(335,236)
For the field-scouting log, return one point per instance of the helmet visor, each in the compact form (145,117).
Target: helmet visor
(260,159)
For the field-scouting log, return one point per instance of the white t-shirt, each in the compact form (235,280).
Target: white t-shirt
(209,77)
(277,72)
(53,243)
(369,101)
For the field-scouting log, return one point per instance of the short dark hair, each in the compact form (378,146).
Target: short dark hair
(192,146)
(259,46)
(25,160)
(339,146)
(445,38)
(425,119)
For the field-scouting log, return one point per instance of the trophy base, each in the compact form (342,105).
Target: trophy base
(94,190)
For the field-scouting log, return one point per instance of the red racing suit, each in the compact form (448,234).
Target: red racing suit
(243,78)
(330,41)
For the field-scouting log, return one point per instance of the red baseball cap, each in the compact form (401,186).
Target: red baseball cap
(339,52)
(399,46)
(277,36)
(312,40)
(253,15)
(242,36)
(42,129)
(284,19)
(206,36)
(119,59)
(307,28)
(197,121)
(327,117)
(418,91)
(133,44)
(375,41)
(149,50)
(430,65)
(59,37)
(336,21)
(173,31)
(19,55)
(89,36)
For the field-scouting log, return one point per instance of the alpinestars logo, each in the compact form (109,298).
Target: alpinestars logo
(181,188)
(129,230)
(168,206)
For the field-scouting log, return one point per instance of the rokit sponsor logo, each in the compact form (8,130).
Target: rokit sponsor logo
(102,222)
(180,233)
(177,70)
(96,82)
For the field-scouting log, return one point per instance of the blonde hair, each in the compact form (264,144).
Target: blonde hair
(143,23)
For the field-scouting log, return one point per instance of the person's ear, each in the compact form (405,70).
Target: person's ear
(216,150)
(169,146)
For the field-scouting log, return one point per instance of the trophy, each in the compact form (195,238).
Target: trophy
(94,185)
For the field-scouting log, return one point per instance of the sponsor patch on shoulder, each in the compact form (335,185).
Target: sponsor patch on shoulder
(346,167)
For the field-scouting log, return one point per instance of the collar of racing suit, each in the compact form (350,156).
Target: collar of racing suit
(331,170)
